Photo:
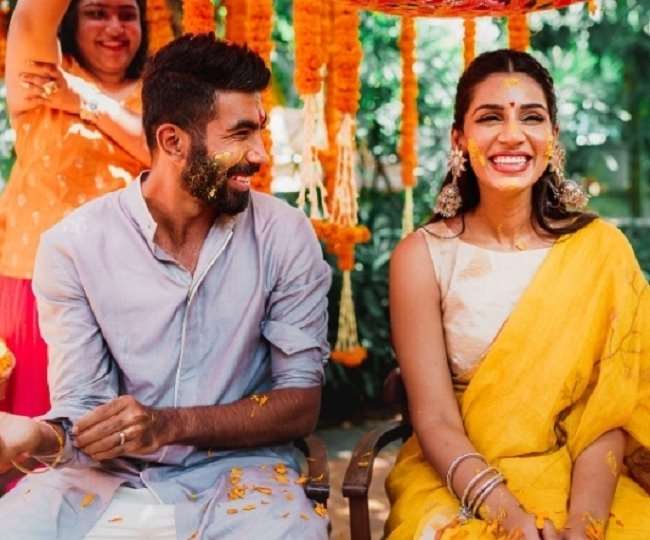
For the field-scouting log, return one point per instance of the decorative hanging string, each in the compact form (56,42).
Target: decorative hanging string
(159,20)
(469,49)
(344,232)
(198,16)
(408,141)
(236,21)
(518,32)
(308,81)
(347,350)
(259,24)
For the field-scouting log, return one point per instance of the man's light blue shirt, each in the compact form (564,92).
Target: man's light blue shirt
(120,316)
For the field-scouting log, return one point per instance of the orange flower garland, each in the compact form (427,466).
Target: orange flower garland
(346,57)
(198,16)
(518,32)
(332,115)
(469,49)
(236,21)
(159,20)
(308,45)
(308,81)
(408,142)
(259,24)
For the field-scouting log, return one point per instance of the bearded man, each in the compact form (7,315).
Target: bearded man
(186,324)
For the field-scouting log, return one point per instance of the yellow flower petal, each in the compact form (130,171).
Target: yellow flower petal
(87,500)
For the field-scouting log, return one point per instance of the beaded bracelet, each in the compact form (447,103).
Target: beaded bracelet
(57,457)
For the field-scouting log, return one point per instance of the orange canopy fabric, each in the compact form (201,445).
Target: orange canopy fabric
(460,8)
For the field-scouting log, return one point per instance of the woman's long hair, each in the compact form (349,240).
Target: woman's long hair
(68,39)
(547,209)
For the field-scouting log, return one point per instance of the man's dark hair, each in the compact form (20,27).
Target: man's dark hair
(181,80)
(69,45)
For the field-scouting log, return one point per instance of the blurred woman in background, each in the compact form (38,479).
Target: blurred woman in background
(73,97)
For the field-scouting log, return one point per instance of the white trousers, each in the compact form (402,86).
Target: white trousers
(135,514)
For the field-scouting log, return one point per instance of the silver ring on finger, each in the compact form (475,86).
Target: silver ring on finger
(122,438)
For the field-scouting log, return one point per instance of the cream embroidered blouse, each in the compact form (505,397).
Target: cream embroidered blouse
(478,289)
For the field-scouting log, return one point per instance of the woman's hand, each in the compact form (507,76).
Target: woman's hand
(520,520)
(20,436)
(45,84)
(582,528)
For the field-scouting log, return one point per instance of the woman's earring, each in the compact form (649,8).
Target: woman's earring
(569,193)
(449,200)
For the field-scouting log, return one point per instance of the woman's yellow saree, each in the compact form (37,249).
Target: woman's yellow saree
(571,363)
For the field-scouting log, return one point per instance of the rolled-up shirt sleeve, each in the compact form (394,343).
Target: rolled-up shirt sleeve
(296,321)
(81,371)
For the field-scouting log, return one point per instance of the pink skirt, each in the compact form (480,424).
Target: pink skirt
(27,392)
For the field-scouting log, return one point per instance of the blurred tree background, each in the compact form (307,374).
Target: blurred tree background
(600,66)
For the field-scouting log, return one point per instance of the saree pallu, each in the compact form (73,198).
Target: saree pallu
(571,363)
(27,393)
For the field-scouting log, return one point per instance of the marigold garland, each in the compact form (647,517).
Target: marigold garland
(259,24)
(308,79)
(346,58)
(159,20)
(347,54)
(408,141)
(469,48)
(236,21)
(332,115)
(308,45)
(198,16)
(518,32)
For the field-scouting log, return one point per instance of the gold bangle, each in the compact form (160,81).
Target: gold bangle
(57,459)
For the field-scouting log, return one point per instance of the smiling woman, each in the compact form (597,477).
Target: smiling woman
(78,135)
(523,365)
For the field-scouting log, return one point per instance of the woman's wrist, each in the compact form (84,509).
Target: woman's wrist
(51,439)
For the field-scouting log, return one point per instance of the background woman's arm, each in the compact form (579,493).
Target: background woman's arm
(32,37)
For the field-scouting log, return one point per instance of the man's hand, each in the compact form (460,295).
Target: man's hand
(19,438)
(122,426)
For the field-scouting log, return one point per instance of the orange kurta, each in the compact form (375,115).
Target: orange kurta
(62,162)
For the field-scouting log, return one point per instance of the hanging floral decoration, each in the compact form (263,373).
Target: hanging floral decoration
(308,81)
(469,42)
(408,141)
(259,25)
(459,8)
(159,21)
(518,32)
(343,232)
(198,16)
(236,21)
(332,115)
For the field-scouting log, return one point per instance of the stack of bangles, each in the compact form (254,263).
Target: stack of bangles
(477,489)
(55,458)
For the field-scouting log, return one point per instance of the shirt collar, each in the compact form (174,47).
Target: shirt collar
(139,213)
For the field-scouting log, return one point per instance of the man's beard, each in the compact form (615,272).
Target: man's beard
(207,179)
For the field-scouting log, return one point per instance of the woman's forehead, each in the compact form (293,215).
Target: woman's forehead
(109,3)
(508,88)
